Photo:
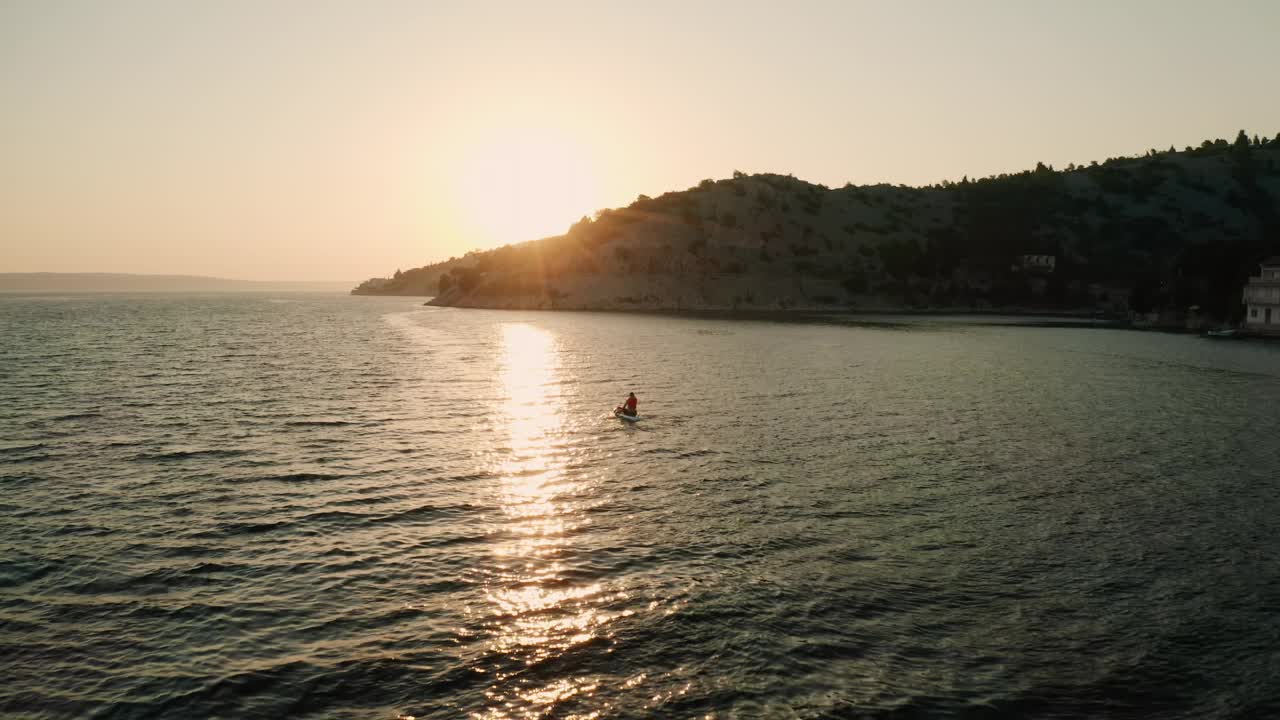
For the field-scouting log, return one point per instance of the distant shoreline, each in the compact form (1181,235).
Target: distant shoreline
(124,282)
(167,291)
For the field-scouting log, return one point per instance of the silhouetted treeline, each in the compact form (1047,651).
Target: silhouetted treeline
(1165,230)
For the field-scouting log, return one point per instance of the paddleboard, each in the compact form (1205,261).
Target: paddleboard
(617,412)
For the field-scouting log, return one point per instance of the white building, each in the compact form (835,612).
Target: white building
(1262,298)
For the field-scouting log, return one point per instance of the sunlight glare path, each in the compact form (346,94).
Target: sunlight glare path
(537,610)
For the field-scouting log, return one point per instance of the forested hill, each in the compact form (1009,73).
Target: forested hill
(1167,230)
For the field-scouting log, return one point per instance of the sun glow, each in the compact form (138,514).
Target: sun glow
(517,186)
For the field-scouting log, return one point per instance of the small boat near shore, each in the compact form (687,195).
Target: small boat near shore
(1223,333)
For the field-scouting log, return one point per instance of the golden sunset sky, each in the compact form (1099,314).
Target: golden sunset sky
(342,140)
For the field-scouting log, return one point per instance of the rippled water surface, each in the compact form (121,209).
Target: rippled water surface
(247,506)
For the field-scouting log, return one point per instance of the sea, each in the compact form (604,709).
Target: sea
(320,506)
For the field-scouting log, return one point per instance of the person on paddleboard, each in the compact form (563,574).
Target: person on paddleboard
(629,407)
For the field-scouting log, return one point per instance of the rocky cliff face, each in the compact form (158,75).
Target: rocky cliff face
(1168,229)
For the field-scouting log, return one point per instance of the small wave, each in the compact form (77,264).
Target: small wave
(15,573)
(156,581)
(680,453)
(425,512)
(469,477)
(224,696)
(319,423)
(186,455)
(68,417)
(80,529)
(305,477)
(18,625)
(24,459)
(15,449)
(76,416)
(334,516)
(185,551)
(236,529)
(322,443)
(297,477)
(211,567)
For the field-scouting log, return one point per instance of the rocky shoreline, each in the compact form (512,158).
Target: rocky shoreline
(885,313)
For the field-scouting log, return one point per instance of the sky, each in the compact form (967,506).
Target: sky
(323,140)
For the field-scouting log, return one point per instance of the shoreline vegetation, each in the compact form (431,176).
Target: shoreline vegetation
(1164,240)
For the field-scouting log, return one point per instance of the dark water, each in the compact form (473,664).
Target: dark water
(248,506)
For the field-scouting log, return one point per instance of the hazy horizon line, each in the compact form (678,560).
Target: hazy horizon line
(170,275)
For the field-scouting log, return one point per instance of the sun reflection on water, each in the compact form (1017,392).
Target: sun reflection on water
(537,609)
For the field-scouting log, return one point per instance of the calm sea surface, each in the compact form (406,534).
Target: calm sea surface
(257,506)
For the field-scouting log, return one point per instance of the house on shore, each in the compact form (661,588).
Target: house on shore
(1262,299)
